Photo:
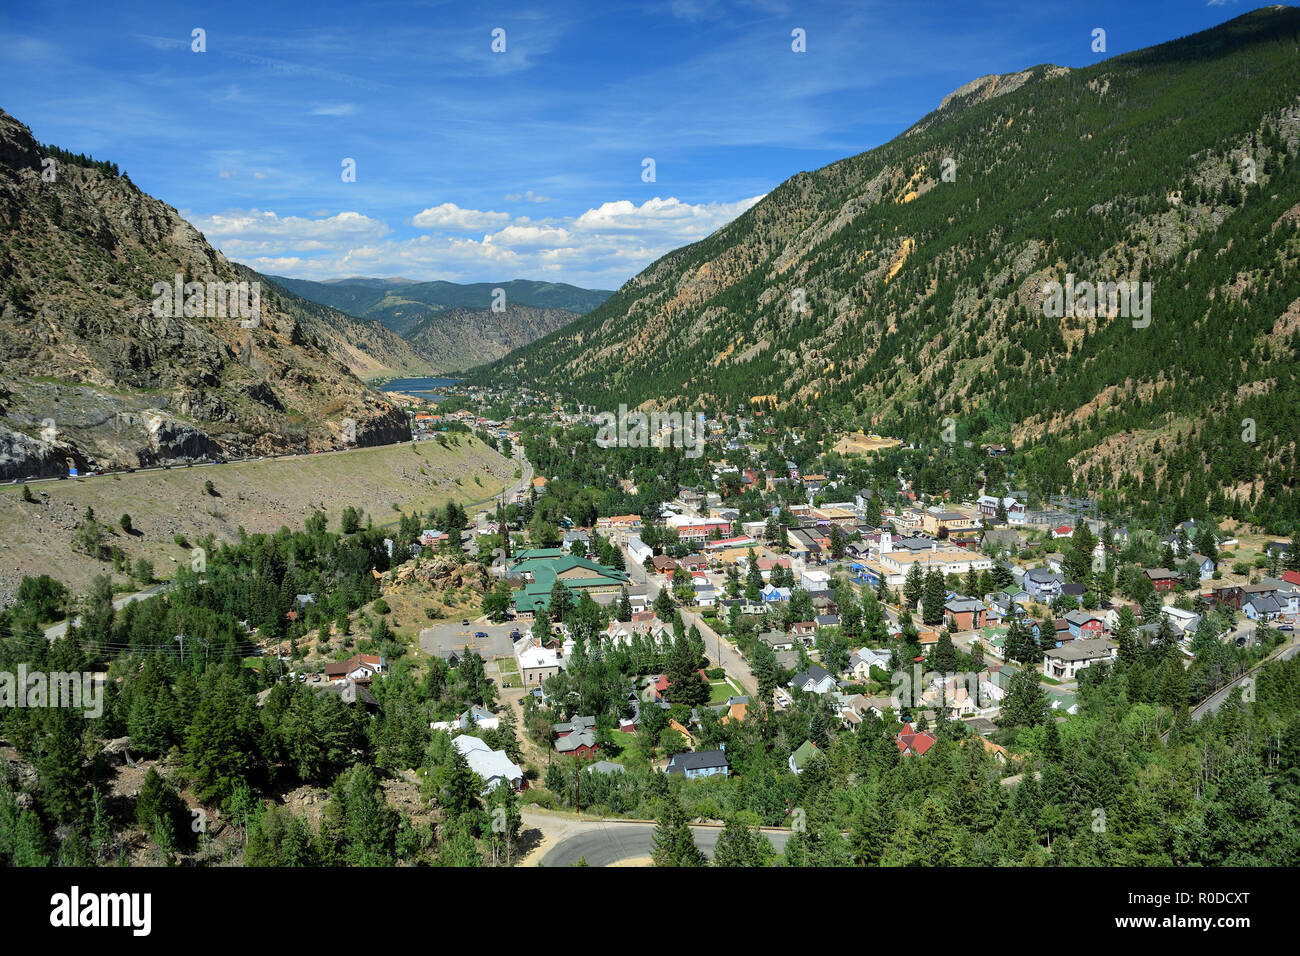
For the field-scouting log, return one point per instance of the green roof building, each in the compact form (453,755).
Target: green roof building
(542,567)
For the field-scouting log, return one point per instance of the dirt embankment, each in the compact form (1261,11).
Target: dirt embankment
(259,496)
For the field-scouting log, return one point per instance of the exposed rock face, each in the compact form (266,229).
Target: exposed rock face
(24,457)
(92,337)
(440,572)
(172,440)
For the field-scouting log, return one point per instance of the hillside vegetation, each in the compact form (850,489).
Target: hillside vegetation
(878,294)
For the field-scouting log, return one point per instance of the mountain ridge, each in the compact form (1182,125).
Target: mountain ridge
(923,294)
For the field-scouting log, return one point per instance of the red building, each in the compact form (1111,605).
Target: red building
(1162,579)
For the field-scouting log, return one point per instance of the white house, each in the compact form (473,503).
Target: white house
(492,765)
(814,680)
(1063,663)
(815,580)
(637,550)
(536,663)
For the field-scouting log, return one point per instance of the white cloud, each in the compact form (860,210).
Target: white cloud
(334,109)
(602,247)
(667,217)
(291,232)
(528,196)
(450,216)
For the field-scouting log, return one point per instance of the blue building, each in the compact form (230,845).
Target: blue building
(706,763)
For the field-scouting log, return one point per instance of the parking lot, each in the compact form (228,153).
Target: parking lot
(453,636)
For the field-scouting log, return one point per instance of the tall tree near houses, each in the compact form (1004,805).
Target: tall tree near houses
(935,590)
(914,586)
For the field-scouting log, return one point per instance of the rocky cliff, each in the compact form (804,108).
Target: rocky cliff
(110,359)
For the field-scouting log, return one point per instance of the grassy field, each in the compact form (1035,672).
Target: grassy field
(260,496)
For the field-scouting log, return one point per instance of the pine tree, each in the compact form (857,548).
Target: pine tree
(737,845)
(914,586)
(673,844)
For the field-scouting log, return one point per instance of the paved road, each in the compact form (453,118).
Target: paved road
(1216,700)
(56,631)
(716,646)
(606,842)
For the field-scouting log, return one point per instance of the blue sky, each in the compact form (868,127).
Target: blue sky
(474,165)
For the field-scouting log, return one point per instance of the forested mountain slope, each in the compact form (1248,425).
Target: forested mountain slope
(924,293)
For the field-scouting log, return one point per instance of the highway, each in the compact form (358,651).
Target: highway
(209,463)
(1216,700)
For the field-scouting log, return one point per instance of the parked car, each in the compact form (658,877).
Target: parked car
(480,635)
(464,622)
(1287,627)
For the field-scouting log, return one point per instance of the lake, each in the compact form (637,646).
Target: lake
(424,387)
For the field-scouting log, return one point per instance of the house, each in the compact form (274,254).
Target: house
(777,640)
(815,580)
(1000,754)
(773,595)
(913,743)
(1204,565)
(1042,585)
(605,766)
(861,662)
(980,725)
(1064,531)
(964,614)
(358,667)
(493,766)
(987,506)
(995,683)
(813,680)
(1278,549)
(801,756)
(1185,622)
(576,725)
(348,691)
(1262,607)
(706,763)
(577,743)
(637,550)
(536,663)
(1084,624)
(1063,663)
(1162,579)
(574,537)
(663,565)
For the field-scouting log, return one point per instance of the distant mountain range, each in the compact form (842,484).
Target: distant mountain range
(450,326)
(910,290)
(401,304)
